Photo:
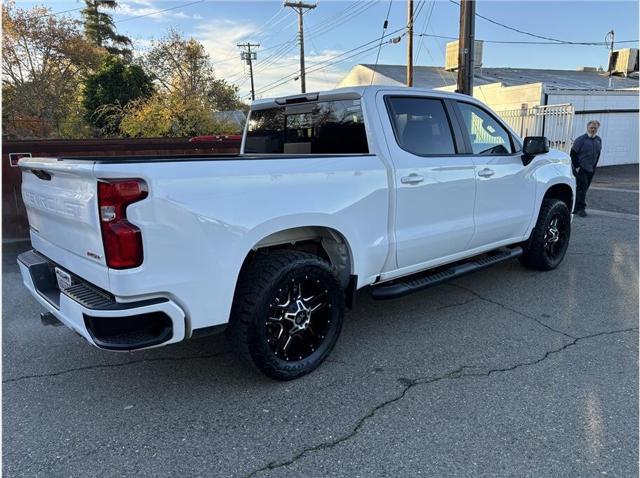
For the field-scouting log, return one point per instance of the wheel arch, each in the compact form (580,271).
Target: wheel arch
(321,240)
(561,191)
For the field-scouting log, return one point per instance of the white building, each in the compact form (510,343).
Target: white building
(516,89)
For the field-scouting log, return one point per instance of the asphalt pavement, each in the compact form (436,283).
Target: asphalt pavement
(506,372)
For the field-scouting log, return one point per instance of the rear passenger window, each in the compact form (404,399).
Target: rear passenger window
(487,136)
(421,126)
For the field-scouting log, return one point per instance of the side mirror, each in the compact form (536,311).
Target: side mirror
(534,145)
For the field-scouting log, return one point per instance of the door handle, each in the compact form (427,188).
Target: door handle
(486,173)
(413,178)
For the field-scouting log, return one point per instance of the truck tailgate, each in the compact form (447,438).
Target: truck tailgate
(62,207)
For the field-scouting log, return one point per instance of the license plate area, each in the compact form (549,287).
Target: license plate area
(63,279)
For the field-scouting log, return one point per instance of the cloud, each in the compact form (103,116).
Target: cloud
(153,10)
(220,39)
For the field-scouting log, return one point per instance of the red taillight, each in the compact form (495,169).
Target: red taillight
(122,240)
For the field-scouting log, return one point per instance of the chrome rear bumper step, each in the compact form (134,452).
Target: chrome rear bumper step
(428,279)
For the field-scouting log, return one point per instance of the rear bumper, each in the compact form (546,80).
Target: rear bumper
(97,315)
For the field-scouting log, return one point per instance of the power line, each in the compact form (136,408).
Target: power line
(427,20)
(283,49)
(321,30)
(329,62)
(159,11)
(495,22)
(522,42)
(384,29)
(324,66)
(53,14)
(266,24)
(249,56)
(325,25)
(292,75)
(323,22)
(300,8)
(418,11)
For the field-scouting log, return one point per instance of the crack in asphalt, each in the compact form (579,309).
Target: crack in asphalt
(112,365)
(195,357)
(511,309)
(457,304)
(409,383)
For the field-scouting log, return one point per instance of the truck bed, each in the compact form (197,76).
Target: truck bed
(202,157)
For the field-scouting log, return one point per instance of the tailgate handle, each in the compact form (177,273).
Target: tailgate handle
(42,174)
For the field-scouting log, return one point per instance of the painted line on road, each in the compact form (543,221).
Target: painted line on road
(618,190)
(618,215)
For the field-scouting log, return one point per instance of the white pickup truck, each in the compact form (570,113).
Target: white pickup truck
(397,189)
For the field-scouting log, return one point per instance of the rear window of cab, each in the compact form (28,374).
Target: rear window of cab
(325,127)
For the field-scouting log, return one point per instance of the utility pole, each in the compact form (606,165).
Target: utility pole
(249,56)
(466,47)
(300,7)
(410,43)
(611,36)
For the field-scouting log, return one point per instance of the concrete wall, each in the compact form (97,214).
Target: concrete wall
(617,112)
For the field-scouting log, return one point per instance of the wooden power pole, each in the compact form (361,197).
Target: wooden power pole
(410,43)
(249,56)
(466,47)
(300,7)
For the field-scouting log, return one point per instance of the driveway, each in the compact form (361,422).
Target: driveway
(507,372)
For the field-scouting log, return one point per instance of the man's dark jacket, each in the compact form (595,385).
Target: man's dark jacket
(585,152)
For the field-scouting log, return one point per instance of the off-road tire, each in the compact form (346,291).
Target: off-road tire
(260,281)
(536,253)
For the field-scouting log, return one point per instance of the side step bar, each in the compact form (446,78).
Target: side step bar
(430,278)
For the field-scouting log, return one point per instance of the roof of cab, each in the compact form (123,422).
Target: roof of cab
(348,93)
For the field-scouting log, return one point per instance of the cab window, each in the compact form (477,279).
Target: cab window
(486,135)
(326,127)
(421,125)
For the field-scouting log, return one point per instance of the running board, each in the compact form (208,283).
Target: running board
(430,279)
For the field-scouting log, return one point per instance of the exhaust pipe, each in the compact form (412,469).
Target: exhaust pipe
(47,318)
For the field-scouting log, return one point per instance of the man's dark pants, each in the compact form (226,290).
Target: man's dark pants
(583,181)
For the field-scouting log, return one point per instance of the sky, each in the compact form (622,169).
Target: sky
(334,28)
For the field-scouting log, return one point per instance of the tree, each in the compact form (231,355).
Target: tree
(224,96)
(183,67)
(180,66)
(187,93)
(171,115)
(44,58)
(114,84)
(100,29)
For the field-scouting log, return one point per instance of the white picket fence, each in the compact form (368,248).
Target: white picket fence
(553,121)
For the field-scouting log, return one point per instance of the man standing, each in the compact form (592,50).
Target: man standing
(585,154)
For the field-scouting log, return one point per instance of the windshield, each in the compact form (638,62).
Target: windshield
(328,127)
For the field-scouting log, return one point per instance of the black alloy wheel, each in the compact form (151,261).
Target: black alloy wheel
(287,313)
(298,319)
(549,239)
(555,237)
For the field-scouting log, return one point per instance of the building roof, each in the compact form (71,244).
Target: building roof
(437,77)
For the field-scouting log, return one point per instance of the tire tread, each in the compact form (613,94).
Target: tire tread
(533,256)
(256,278)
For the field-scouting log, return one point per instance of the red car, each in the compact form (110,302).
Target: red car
(207,138)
